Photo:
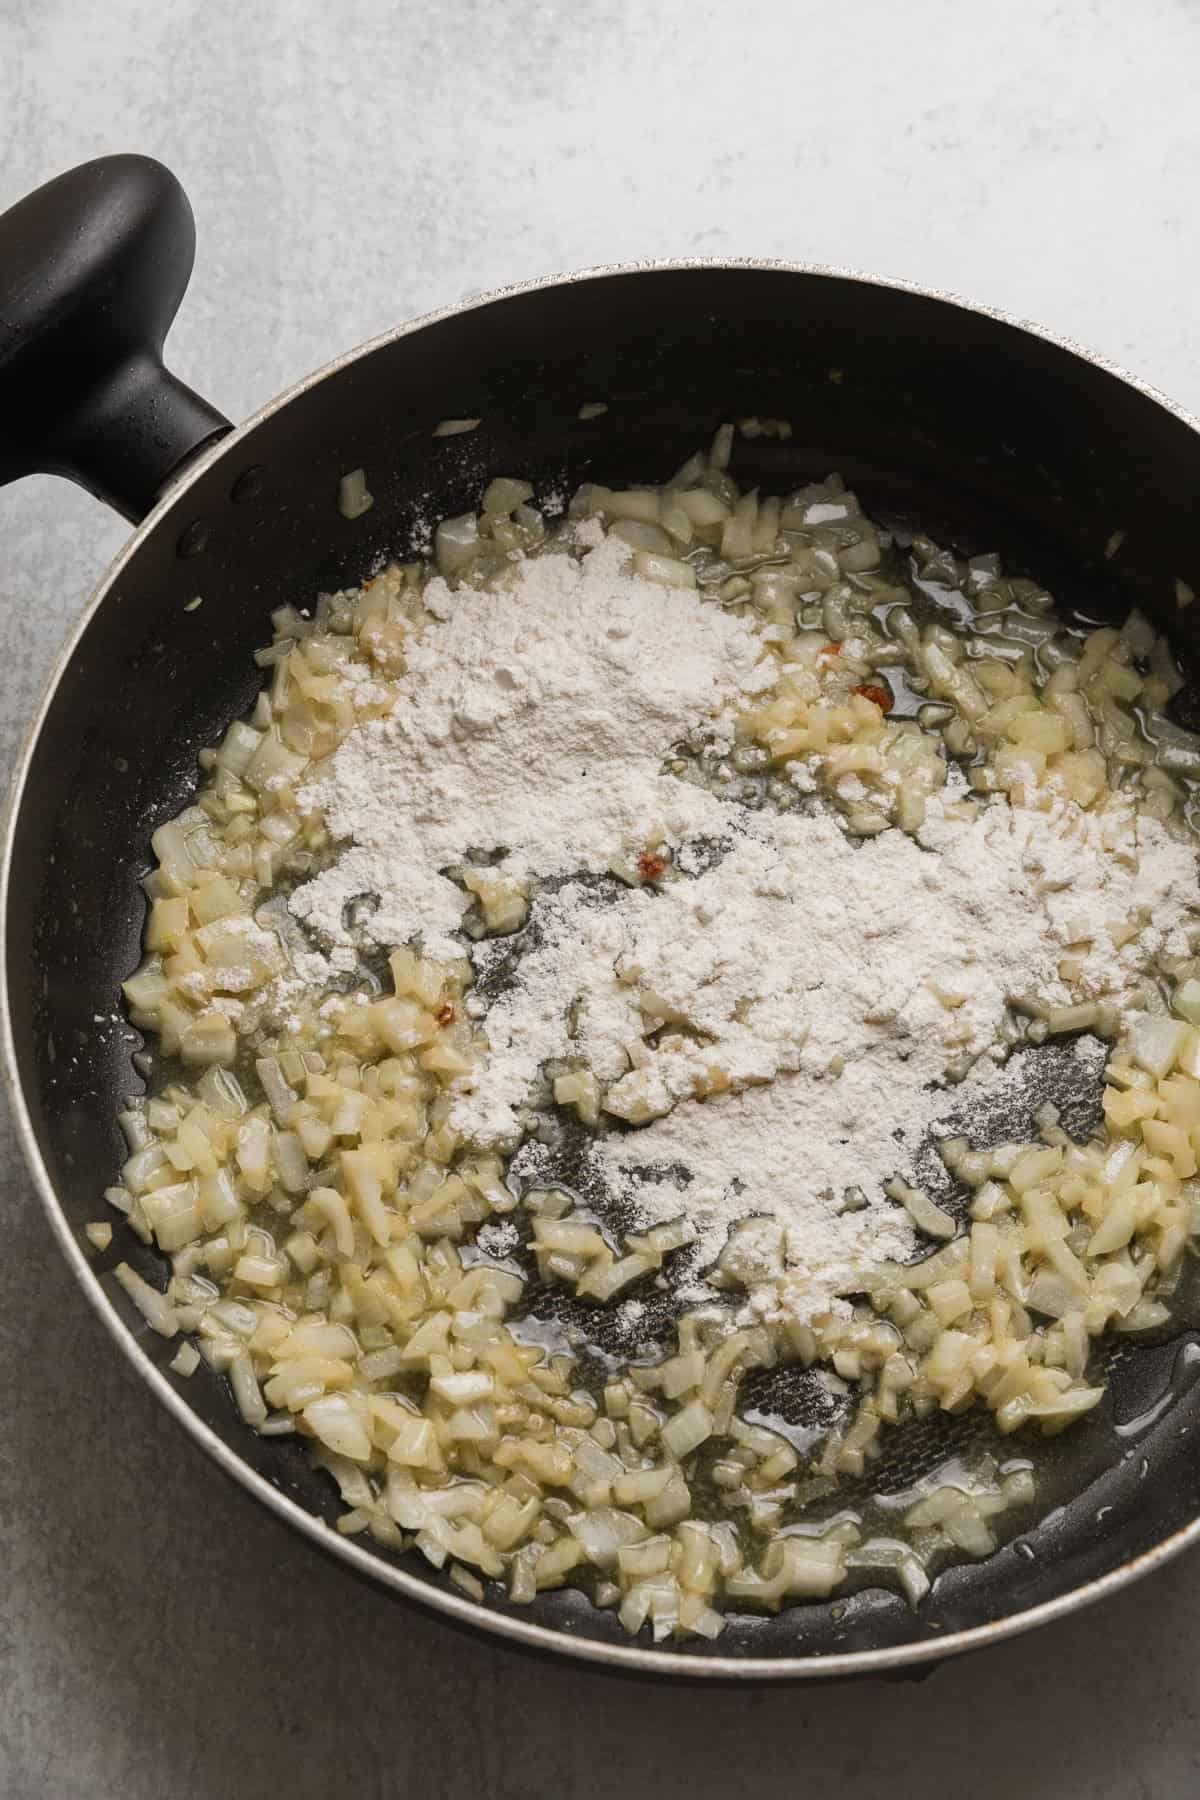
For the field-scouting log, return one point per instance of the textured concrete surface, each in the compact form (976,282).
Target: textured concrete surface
(351,164)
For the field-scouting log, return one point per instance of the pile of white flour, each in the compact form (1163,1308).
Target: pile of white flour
(819,988)
(833,984)
(533,721)
(803,951)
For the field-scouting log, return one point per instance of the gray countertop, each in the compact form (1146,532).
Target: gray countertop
(352,164)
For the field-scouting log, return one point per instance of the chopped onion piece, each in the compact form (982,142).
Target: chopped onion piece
(353,498)
(154,1307)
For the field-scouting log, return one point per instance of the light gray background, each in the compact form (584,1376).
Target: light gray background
(351,164)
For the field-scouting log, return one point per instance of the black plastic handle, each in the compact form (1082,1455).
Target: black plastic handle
(92,269)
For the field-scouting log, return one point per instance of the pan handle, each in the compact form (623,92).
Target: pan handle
(92,269)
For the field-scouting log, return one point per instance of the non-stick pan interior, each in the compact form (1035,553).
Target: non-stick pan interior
(976,431)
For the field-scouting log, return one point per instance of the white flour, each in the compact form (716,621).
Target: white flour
(498,1238)
(820,990)
(835,985)
(801,947)
(533,721)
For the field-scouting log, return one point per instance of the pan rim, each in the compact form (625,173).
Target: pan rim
(632,1658)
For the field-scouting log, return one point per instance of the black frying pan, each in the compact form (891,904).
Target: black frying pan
(984,433)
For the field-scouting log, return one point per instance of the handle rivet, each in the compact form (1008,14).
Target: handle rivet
(194,539)
(249,484)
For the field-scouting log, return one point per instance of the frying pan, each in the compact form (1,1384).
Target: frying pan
(986,433)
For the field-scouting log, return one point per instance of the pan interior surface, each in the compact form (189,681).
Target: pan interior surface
(977,432)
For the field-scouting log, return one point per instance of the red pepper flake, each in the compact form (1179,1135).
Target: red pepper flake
(829,650)
(879,695)
(650,865)
(446,1016)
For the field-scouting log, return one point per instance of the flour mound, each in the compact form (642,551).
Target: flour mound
(532,722)
(833,986)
